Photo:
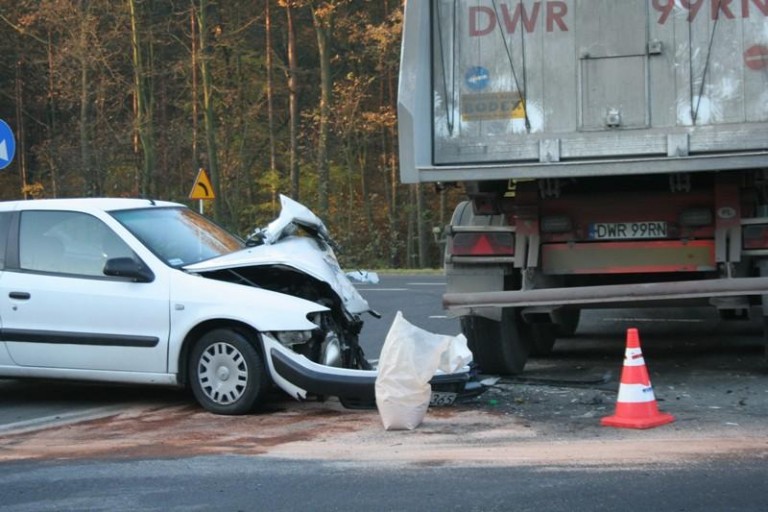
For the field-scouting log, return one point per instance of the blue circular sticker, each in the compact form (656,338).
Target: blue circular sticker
(477,78)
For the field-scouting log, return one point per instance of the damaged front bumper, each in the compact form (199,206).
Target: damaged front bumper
(301,377)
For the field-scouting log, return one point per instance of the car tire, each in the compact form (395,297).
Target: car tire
(227,373)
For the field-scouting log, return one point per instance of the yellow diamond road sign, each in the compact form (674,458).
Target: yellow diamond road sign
(202,189)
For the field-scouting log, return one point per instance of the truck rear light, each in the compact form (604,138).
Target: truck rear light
(755,237)
(483,244)
(556,224)
(696,217)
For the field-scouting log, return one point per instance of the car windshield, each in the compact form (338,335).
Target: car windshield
(179,236)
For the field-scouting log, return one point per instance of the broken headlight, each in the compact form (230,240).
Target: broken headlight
(290,338)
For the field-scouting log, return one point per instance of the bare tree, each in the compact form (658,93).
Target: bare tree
(293,98)
(273,175)
(144,101)
(322,17)
(208,112)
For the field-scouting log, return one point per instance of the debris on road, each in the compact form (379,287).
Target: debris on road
(364,276)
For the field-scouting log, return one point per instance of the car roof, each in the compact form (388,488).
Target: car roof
(85,204)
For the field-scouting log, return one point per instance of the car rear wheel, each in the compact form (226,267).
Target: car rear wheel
(227,373)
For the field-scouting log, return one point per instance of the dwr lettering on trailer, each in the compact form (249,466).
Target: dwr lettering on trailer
(482,20)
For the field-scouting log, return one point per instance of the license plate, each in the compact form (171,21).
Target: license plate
(627,230)
(442,398)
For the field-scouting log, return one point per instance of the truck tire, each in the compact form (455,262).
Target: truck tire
(568,322)
(765,339)
(543,338)
(497,347)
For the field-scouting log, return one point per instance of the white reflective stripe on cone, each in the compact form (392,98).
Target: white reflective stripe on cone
(634,393)
(633,357)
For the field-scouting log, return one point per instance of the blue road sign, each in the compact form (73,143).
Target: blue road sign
(477,78)
(7,145)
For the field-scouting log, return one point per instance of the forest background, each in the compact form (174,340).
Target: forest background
(130,98)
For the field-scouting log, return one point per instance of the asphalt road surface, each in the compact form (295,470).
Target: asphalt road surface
(533,442)
(231,484)
(418,297)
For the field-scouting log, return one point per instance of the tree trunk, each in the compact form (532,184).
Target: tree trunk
(421,228)
(365,190)
(323,27)
(193,32)
(22,150)
(410,254)
(293,102)
(208,114)
(144,116)
(273,178)
(85,155)
(52,153)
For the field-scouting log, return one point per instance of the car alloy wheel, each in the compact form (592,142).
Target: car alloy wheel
(227,373)
(223,373)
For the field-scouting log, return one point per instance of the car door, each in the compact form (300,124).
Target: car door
(60,311)
(5,222)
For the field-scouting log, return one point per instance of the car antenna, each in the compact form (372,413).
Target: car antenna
(151,201)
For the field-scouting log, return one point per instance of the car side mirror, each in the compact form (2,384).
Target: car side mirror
(128,267)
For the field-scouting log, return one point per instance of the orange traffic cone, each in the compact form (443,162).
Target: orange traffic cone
(636,404)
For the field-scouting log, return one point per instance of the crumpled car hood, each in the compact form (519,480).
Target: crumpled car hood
(299,253)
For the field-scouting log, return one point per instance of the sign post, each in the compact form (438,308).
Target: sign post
(202,189)
(7,145)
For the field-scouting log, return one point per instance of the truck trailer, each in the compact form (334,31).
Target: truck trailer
(614,153)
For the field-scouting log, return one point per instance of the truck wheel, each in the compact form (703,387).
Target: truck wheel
(568,322)
(765,339)
(227,373)
(543,338)
(497,347)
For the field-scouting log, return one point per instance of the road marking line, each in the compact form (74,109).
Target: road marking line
(426,284)
(681,320)
(57,420)
(384,289)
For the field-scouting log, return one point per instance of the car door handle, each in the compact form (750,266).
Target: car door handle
(20,295)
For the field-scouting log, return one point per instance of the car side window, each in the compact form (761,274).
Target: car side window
(67,243)
(5,223)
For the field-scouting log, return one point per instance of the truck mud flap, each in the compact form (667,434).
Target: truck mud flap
(354,388)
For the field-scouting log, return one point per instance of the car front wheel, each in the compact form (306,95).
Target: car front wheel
(227,373)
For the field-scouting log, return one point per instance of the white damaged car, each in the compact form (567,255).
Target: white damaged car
(150,292)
